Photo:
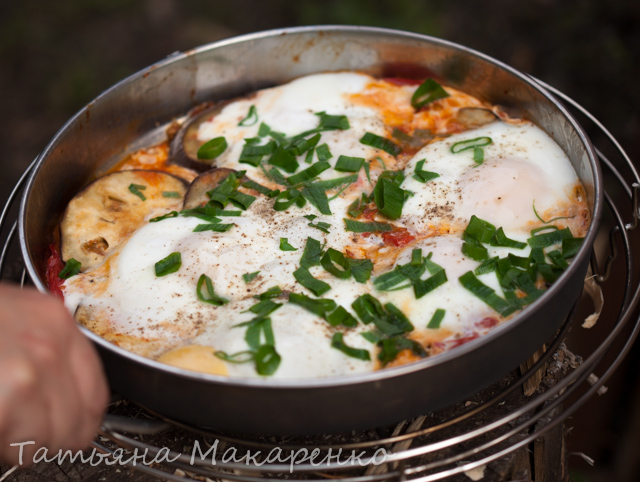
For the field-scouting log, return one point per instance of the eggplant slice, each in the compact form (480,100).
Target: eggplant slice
(109,209)
(472,117)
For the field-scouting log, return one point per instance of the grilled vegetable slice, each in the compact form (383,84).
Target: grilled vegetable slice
(197,193)
(472,117)
(109,209)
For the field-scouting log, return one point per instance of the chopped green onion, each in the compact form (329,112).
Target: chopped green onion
(284,159)
(136,188)
(306,279)
(416,258)
(470,144)
(215,227)
(261,189)
(317,197)
(240,357)
(252,154)
(389,198)
(478,155)
(486,294)
(322,226)
(338,343)
(272,292)
(373,336)
(475,252)
(391,347)
(401,136)
(212,148)
(336,182)
(333,122)
(267,360)
(436,319)
(422,287)
(487,266)
(175,194)
(312,253)
(361,269)
(480,230)
(248,277)
(263,130)
(286,199)
(210,296)
(550,220)
(285,246)
(333,256)
(310,217)
(323,152)
(367,169)
(341,317)
(429,91)
(571,246)
(357,207)
(251,117)
(265,307)
(71,268)
(372,227)
(320,306)
(388,319)
(548,239)
(378,142)
(421,175)
(241,200)
(349,164)
(500,239)
(309,173)
(172,214)
(556,257)
(169,265)
(300,146)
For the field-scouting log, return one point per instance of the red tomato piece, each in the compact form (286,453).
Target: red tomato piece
(54,266)
(398,237)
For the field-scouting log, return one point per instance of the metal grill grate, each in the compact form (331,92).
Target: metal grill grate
(437,446)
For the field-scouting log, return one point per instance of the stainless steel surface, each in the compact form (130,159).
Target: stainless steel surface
(102,132)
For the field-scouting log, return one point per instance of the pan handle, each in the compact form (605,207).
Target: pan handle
(118,423)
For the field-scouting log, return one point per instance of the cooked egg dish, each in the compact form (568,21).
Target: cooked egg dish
(336,224)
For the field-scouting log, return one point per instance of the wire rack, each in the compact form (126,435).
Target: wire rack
(447,445)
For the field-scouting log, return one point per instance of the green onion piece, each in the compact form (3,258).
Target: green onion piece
(422,287)
(387,145)
(368,308)
(431,266)
(550,220)
(338,343)
(429,91)
(261,189)
(487,266)
(470,144)
(548,239)
(248,277)
(284,159)
(219,196)
(252,154)
(486,294)
(285,246)
(286,199)
(264,307)
(300,146)
(172,214)
(336,182)
(267,360)
(421,175)
(306,279)
(436,319)
(317,197)
(333,122)
(256,328)
(175,194)
(71,268)
(372,227)
(136,188)
(210,297)
(361,269)
(537,255)
(391,347)
(215,227)
(169,265)
(558,260)
(323,152)
(416,257)
(402,136)
(387,281)
(312,253)
(349,164)
(357,207)
(333,256)
(251,117)
(341,317)
(389,198)
(397,318)
(310,217)
(373,336)
(241,200)
(571,246)
(500,239)
(263,130)
(477,253)
(322,226)
(480,230)
(240,357)
(212,148)
(478,155)
(309,157)
(309,173)
(320,306)
(367,168)
(544,228)
(272,292)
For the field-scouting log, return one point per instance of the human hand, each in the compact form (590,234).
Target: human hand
(52,386)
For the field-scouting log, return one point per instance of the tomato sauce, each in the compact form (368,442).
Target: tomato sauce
(54,266)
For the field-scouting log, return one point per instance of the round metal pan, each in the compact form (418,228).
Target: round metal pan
(140,105)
